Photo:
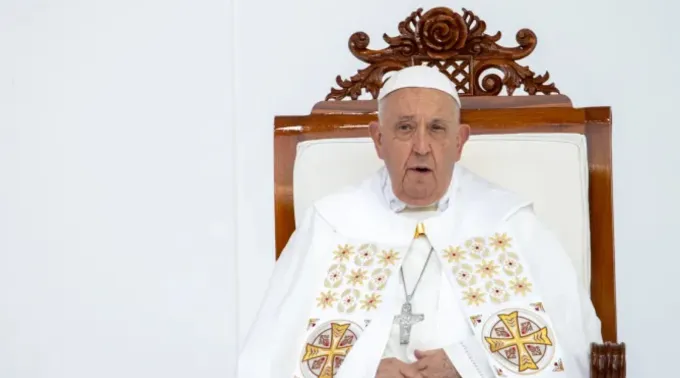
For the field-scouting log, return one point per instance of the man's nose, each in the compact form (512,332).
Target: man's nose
(421,141)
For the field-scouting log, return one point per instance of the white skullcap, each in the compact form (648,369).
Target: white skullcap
(419,77)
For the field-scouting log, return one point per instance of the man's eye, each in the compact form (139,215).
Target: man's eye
(438,127)
(404,127)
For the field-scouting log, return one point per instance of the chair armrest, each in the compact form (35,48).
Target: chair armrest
(608,360)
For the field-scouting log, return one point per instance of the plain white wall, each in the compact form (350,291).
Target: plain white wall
(116,189)
(618,53)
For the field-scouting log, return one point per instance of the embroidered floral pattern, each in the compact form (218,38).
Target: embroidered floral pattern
(477,248)
(349,299)
(474,296)
(343,253)
(464,275)
(511,266)
(334,277)
(488,269)
(371,302)
(500,242)
(326,299)
(454,254)
(379,279)
(496,291)
(356,277)
(366,255)
(521,285)
(388,258)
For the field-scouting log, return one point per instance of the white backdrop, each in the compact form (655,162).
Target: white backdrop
(116,189)
(618,53)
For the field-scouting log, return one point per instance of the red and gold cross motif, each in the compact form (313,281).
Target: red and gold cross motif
(325,353)
(520,344)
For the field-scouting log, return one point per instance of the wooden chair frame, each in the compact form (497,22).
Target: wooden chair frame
(457,45)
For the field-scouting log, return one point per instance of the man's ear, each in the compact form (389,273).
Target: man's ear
(376,135)
(463,136)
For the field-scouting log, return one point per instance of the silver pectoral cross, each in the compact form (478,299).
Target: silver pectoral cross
(406,320)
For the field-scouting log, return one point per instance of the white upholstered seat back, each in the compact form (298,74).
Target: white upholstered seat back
(549,169)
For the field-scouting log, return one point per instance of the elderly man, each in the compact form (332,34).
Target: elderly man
(423,270)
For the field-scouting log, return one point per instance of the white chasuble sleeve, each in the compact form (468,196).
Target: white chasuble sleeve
(564,295)
(528,313)
(260,354)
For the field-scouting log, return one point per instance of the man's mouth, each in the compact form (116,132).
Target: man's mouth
(421,169)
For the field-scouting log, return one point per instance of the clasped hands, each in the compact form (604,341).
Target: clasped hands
(429,364)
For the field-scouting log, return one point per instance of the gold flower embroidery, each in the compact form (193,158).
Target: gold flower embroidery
(500,241)
(454,254)
(474,296)
(521,285)
(357,277)
(389,257)
(477,248)
(487,269)
(326,299)
(371,302)
(343,253)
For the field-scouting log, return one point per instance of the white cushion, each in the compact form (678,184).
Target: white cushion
(549,169)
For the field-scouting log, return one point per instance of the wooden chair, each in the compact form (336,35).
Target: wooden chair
(538,145)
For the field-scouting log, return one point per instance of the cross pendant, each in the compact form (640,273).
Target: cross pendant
(406,320)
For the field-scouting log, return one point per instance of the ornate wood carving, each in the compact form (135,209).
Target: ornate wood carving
(608,360)
(470,102)
(457,45)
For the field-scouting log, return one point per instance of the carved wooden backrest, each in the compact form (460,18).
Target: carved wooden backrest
(458,45)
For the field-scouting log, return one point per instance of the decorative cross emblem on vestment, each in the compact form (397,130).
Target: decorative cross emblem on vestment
(519,341)
(406,320)
(337,348)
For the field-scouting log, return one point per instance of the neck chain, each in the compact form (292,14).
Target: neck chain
(409,297)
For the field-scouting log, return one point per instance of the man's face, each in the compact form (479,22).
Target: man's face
(420,138)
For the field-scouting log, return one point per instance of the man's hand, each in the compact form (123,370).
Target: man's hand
(435,364)
(394,368)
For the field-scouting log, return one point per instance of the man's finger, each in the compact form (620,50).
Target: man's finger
(420,365)
(409,371)
(420,354)
(412,374)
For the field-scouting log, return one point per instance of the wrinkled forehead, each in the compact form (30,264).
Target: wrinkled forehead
(418,102)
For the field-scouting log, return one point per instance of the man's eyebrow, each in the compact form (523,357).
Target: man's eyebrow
(439,120)
(405,118)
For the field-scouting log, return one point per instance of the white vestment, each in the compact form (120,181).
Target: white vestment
(331,302)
